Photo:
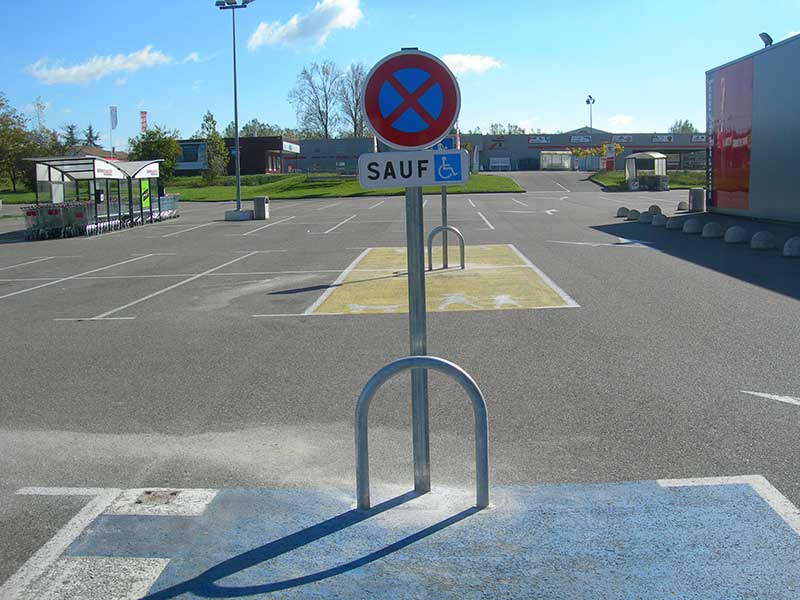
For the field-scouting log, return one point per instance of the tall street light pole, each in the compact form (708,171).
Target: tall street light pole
(232,5)
(590,102)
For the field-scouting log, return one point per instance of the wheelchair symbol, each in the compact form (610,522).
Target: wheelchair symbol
(444,170)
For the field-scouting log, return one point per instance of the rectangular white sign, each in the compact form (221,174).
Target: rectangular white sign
(411,169)
(290,147)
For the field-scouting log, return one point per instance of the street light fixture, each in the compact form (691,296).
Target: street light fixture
(590,102)
(232,5)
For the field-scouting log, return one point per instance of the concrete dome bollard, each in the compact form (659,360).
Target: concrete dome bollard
(659,220)
(633,215)
(654,209)
(674,223)
(692,226)
(646,217)
(712,230)
(683,205)
(622,211)
(762,240)
(736,235)
(791,248)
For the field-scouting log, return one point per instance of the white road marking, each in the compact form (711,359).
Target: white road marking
(561,186)
(519,212)
(189,229)
(518,202)
(777,501)
(335,227)
(48,554)
(786,399)
(375,205)
(329,206)
(485,220)
(268,225)
(424,203)
(621,243)
(30,262)
(564,296)
(564,198)
(336,283)
(191,502)
(171,287)
(551,211)
(471,203)
(37,287)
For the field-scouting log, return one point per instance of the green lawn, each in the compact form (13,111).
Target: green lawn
(315,186)
(9,197)
(678,180)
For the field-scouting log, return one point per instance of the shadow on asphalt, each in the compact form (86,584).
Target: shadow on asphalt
(205,584)
(317,288)
(764,268)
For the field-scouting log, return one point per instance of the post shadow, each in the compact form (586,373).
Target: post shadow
(205,585)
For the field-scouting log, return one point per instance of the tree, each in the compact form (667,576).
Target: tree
(348,94)
(216,152)
(39,107)
(91,137)
(497,129)
(683,126)
(515,129)
(157,142)
(314,99)
(13,141)
(69,133)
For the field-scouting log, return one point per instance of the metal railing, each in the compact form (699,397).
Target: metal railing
(432,234)
(478,408)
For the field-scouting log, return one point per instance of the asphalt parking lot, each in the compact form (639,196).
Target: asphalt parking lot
(181,354)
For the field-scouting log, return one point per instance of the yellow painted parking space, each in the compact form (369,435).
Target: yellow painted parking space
(497,277)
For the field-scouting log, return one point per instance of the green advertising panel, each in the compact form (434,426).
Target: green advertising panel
(145,193)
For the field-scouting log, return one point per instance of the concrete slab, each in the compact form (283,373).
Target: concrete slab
(716,538)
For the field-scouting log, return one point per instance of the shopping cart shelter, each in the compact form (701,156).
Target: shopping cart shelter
(83,195)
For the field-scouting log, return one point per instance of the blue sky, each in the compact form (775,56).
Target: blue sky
(521,61)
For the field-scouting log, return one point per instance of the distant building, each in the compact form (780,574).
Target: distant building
(266,154)
(95,151)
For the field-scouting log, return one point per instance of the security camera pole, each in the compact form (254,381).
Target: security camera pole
(232,5)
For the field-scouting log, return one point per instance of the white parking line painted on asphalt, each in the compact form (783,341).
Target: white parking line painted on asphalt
(335,283)
(329,206)
(519,212)
(471,203)
(335,227)
(561,186)
(30,262)
(485,220)
(777,501)
(564,295)
(189,229)
(551,211)
(268,225)
(376,205)
(48,554)
(106,314)
(786,399)
(424,203)
(519,202)
(37,287)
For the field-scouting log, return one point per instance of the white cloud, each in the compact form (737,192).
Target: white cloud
(121,80)
(196,85)
(97,67)
(527,124)
(316,26)
(470,63)
(621,120)
(196,57)
(793,33)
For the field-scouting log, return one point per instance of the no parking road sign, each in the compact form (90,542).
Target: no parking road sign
(411,100)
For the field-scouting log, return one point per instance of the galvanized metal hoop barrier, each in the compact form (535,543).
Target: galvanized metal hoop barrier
(439,229)
(478,409)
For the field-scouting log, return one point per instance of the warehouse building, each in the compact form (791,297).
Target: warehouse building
(753,121)
(516,152)
(265,154)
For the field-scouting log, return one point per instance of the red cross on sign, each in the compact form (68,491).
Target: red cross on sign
(411,100)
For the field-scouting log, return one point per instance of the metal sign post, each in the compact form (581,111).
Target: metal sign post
(417,327)
(444,224)
(411,101)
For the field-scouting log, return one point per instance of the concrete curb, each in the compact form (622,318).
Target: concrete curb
(674,223)
(712,230)
(659,220)
(633,215)
(791,249)
(692,227)
(622,211)
(763,240)
(736,235)
(646,217)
